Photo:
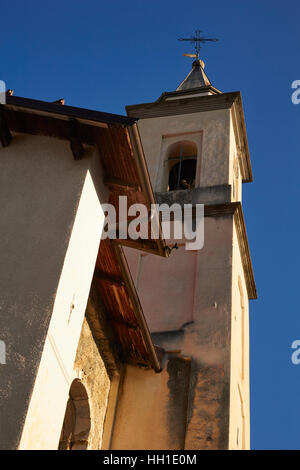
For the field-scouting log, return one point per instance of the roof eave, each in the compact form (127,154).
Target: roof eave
(190,91)
(69,111)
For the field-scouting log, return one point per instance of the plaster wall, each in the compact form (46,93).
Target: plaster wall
(51,224)
(213,146)
(202,332)
(152,408)
(167,288)
(239,430)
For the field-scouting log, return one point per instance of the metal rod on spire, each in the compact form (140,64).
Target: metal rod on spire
(197,39)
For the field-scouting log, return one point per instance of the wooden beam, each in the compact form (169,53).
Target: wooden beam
(75,142)
(5,135)
(101,276)
(140,244)
(122,322)
(135,301)
(116,183)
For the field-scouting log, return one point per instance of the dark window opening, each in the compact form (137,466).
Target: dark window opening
(182,174)
(182,164)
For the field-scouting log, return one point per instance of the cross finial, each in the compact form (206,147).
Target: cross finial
(197,39)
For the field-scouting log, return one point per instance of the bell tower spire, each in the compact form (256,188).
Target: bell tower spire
(197,304)
(197,78)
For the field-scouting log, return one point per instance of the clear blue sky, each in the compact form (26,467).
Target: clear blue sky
(106,54)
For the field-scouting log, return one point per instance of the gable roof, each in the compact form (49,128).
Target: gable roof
(125,173)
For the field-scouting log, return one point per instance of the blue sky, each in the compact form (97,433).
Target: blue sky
(103,55)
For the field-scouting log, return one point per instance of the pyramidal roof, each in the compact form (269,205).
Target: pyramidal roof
(197,78)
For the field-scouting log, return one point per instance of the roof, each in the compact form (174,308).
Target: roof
(125,173)
(123,309)
(69,111)
(197,78)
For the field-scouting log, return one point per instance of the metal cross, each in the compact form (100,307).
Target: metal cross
(197,39)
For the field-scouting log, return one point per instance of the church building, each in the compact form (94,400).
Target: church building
(123,343)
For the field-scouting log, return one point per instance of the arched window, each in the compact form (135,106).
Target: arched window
(182,161)
(77,421)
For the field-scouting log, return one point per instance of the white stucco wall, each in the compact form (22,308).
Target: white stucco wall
(215,126)
(51,225)
(239,427)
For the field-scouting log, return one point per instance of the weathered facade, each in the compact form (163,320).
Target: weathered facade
(124,344)
(198,301)
(59,165)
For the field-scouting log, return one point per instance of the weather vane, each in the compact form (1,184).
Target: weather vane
(197,39)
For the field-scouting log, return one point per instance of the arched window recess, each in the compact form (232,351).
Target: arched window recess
(182,164)
(77,421)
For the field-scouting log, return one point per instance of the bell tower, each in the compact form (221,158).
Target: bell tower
(197,302)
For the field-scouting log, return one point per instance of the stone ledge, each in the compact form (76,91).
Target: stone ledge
(206,195)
